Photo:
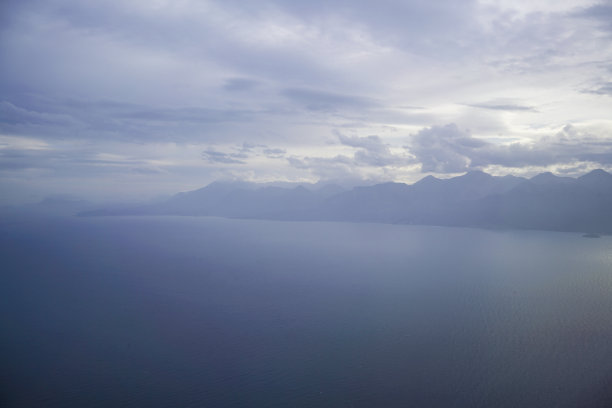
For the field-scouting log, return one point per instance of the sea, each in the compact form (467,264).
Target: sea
(212,312)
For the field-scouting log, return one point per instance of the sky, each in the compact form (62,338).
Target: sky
(136,99)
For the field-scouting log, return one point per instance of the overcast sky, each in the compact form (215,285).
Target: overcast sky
(134,98)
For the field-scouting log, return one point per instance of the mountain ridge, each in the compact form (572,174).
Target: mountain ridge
(475,199)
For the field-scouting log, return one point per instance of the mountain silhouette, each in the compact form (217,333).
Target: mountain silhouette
(475,199)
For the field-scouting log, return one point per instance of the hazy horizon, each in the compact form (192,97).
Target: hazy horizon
(345,184)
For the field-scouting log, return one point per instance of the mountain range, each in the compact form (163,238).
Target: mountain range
(475,199)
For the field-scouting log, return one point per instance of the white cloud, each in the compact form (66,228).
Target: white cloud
(448,149)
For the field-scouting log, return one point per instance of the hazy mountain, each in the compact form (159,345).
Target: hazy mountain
(475,199)
(236,199)
(429,201)
(556,203)
(53,205)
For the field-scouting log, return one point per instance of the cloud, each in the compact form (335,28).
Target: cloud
(274,153)
(316,100)
(600,12)
(371,151)
(604,88)
(371,159)
(72,161)
(448,149)
(241,154)
(240,84)
(503,106)
(12,115)
(247,147)
(339,167)
(82,119)
(444,149)
(187,114)
(213,156)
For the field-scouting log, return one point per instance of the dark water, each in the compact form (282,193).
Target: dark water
(205,312)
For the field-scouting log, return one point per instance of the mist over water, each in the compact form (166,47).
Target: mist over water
(196,311)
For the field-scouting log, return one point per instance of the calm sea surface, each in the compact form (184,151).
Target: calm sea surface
(208,312)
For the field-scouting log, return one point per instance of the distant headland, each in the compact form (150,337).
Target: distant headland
(475,199)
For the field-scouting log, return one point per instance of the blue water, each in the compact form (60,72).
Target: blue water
(208,312)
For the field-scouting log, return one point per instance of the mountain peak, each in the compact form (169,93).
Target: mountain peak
(548,177)
(476,174)
(597,173)
(300,188)
(428,180)
(598,180)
